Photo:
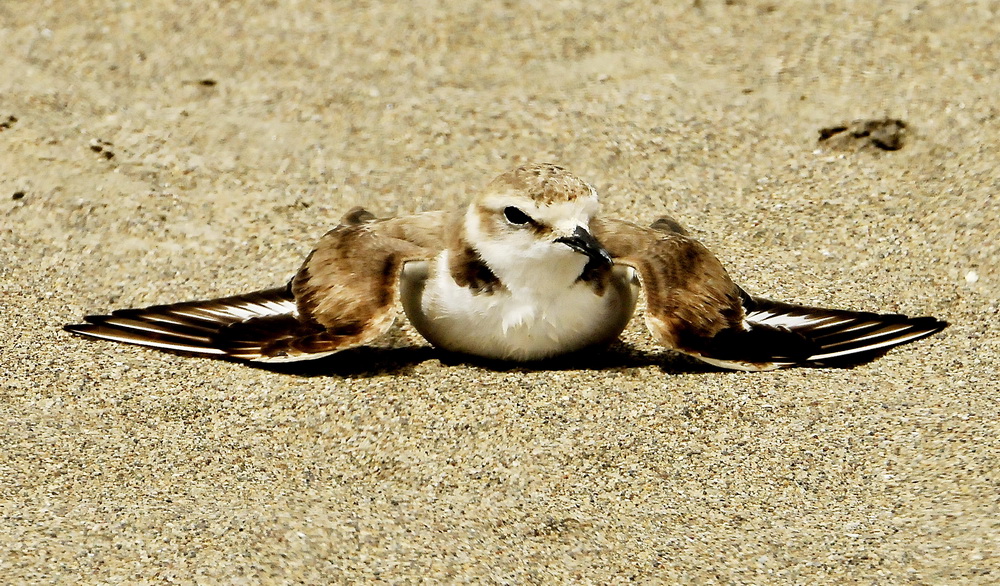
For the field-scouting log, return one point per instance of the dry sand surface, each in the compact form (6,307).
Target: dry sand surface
(169,150)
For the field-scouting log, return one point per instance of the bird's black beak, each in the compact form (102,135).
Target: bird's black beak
(584,242)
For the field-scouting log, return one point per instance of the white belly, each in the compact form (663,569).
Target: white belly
(524,325)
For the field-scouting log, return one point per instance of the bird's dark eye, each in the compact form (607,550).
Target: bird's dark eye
(515,216)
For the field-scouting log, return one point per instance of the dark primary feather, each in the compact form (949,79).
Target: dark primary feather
(778,335)
(263,325)
(839,336)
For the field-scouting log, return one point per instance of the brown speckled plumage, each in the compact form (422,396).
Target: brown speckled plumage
(689,295)
(546,184)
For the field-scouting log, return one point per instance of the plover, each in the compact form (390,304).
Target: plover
(529,270)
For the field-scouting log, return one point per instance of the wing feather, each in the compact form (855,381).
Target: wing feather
(840,335)
(344,295)
(694,307)
(689,295)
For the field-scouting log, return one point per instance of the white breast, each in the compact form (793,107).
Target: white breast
(522,324)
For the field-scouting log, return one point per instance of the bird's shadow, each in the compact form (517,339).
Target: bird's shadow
(367,362)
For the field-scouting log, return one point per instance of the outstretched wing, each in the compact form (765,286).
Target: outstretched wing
(689,296)
(694,307)
(344,295)
(199,327)
(349,285)
(837,337)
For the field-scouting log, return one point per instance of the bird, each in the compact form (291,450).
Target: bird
(528,270)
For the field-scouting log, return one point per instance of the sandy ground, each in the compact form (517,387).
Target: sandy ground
(162,151)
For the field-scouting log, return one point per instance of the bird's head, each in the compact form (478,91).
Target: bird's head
(536,219)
